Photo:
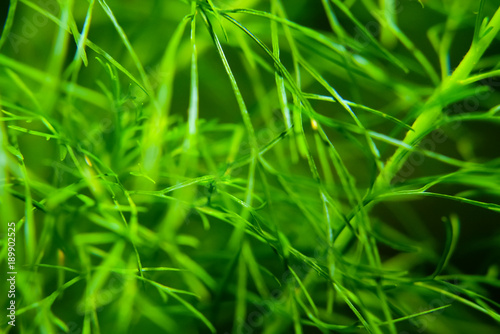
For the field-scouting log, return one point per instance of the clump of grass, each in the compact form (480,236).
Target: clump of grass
(251,166)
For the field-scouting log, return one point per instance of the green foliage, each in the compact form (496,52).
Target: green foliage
(251,166)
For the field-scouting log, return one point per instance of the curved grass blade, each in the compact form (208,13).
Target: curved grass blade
(452,234)
(8,22)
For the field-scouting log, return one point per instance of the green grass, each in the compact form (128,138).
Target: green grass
(251,166)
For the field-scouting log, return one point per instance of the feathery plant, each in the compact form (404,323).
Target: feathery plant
(251,166)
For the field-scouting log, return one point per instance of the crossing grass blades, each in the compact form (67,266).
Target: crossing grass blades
(251,166)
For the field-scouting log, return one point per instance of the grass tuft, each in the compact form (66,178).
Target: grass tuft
(251,166)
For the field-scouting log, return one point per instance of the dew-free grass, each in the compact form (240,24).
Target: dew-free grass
(251,166)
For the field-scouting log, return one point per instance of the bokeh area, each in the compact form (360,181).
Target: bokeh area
(250,166)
